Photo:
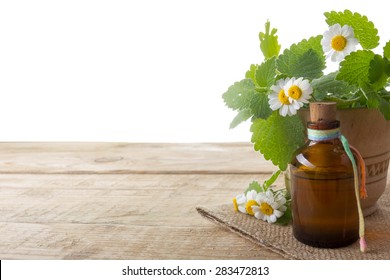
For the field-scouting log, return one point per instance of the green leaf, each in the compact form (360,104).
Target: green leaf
(303,46)
(378,72)
(327,86)
(241,117)
(264,77)
(355,67)
(305,59)
(385,94)
(243,97)
(262,188)
(374,100)
(384,107)
(364,29)
(309,65)
(269,42)
(239,95)
(250,74)
(386,50)
(278,137)
(254,186)
(265,73)
(259,105)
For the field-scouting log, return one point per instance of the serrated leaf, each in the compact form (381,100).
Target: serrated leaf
(309,66)
(259,106)
(378,72)
(327,86)
(250,74)
(305,45)
(278,137)
(269,42)
(243,97)
(386,50)
(364,29)
(242,116)
(254,186)
(239,95)
(305,59)
(355,67)
(265,73)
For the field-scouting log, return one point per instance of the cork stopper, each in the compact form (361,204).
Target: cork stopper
(323,111)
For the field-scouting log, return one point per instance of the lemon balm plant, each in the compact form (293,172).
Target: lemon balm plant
(274,90)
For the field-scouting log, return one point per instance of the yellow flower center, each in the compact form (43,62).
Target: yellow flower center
(295,92)
(339,42)
(283,98)
(248,206)
(235,204)
(266,209)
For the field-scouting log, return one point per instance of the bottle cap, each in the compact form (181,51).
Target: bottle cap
(323,111)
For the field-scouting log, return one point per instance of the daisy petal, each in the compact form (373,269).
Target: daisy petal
(338,41)
(242,209)
(259,215)
(283,110)
(278,213)
(241,198)
(282,208)
(274,205)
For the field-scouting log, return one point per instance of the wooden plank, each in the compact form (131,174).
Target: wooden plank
(113,242)
(131,158)
(137,216)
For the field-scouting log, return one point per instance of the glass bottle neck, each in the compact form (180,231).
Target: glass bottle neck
(323,135)
(323,131)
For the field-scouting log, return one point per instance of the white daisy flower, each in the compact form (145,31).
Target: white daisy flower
(289,95)
(271,206)
(244,203)
(278,99)
(339,42)
(239,203)
(298,91)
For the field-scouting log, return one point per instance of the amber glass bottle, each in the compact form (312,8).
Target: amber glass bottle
(322,185)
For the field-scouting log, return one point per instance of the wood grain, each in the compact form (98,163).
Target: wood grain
(125,158)
(59,202)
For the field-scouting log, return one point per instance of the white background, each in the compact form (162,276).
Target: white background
(140,71)
(278,269)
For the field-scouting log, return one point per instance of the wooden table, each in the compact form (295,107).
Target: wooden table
(122,200)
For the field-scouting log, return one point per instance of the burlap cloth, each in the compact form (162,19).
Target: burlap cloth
(280,238)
